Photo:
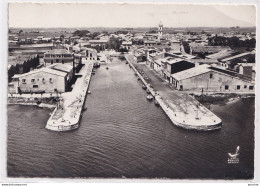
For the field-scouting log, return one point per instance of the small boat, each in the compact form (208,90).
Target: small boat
(156,103)
(85,107)
(89,92)
(138,78)
(144,87)
(149,97)
(126,62)
(148,91)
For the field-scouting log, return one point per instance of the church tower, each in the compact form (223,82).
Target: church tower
(160,30)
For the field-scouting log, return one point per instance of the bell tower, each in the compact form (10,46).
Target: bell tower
(160,30)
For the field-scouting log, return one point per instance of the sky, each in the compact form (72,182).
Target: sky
(39,15)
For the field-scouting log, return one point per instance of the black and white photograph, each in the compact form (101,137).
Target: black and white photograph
(157,91)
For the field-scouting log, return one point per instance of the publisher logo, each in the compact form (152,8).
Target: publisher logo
(233,157)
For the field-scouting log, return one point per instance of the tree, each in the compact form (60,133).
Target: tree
(20,32)
(81,33)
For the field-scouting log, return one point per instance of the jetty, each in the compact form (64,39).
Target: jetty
(182,109)
(67,114)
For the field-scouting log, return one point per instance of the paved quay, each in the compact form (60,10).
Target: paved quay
(66,116)
(181,108)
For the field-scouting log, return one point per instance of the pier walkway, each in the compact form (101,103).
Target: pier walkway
(67,114)
(181,108)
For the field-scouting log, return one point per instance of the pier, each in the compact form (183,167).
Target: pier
(66,116)
(182,109)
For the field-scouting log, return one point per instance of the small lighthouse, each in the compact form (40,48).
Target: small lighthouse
(160,30)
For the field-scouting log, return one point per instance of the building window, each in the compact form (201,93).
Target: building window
(57,60)
(51,61)
(32,80)
(238,87)
(210,75)
(62,61)
(251,87)
(35,86)
(245,86)
(23,80)
(226,87)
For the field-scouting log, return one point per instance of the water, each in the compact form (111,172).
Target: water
(124,135)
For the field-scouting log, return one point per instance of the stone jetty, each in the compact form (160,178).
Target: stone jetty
(66,116)
(182,109)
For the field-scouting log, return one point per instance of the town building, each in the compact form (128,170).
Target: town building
(150,43)
(126,45)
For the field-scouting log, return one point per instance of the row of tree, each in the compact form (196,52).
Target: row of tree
(25,67)
(232,42)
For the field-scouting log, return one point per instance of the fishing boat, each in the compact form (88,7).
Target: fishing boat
(149,97)
(89,92)
(156,103)
(144,87)
(138,78)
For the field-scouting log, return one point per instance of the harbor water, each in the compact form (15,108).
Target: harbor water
(122,135)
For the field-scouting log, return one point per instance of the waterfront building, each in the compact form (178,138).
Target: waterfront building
(91,54)
(208,78)
(172,65)
(54,78)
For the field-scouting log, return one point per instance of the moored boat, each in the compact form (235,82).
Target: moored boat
(144,87)
(149,97)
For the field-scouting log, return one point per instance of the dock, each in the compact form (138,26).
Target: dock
(67,114)
(181,108)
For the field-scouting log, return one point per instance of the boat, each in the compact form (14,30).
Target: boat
(96,65)
(144,87)
(148,91)
(138,78)
(126,62)
(85,107)
(156,103)
(89,92)
(149,97)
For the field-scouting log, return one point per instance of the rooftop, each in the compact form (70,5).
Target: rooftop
(47,70)
(237,56)
(201,69)
(58,51)
(61,67)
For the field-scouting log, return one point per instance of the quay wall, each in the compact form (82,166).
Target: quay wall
(175,119)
